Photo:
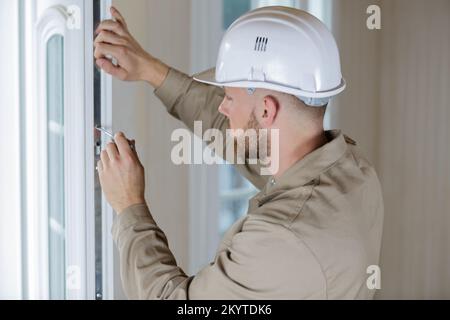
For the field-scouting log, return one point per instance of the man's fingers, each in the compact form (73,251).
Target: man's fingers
(110,38)
(113,26)
(107,66)
(105,158)
(112,151)
(103,50)
(122,144)
(118,16)
(133,147)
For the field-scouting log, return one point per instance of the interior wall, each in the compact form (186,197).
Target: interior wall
(10,170)
(168,39)
(140,113)
(162,28)
(395,107)
(356,110)
(414,148)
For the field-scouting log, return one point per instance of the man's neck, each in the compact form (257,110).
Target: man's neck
(293,150)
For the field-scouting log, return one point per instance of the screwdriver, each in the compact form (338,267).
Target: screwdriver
(111,136)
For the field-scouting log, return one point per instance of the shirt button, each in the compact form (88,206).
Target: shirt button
(272,181)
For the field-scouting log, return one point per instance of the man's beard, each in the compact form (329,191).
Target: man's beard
(263,139)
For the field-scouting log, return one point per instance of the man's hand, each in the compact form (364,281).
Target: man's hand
(133,62)
(121,174)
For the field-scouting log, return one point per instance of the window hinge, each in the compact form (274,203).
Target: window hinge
(73,17)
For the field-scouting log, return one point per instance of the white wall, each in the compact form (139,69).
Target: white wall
(10,242)
(396,107)
(356,111)
(162,27)
(169,39)
(414,148)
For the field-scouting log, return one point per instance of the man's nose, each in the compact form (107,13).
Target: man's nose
(222,109)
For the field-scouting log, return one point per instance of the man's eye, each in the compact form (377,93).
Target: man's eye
(228,98)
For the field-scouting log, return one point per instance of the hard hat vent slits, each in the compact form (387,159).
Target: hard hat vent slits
(261,44)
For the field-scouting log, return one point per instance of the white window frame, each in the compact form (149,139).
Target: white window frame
(54,22)
(112,285)
(78,151)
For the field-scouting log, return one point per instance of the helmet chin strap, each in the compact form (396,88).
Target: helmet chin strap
(311,102)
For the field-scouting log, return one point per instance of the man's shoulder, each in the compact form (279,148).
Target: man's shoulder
(348,191)
(336,218)
(341,221)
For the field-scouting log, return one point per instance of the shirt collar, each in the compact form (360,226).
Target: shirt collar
(309,167)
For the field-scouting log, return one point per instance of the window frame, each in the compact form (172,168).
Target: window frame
(53,22)
(111,282)
(79,164)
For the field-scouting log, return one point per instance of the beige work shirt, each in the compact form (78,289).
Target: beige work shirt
(310,234)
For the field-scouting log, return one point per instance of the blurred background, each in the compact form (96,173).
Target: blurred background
(396,107)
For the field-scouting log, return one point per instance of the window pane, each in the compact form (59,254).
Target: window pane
(233,9)
(55,154)
(235,191)
(266,3)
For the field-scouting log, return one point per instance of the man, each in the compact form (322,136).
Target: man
(315,227)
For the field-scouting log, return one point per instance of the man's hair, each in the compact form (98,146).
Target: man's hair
(299,110)
(310,111)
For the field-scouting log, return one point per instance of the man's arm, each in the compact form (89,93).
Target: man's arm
(259,263)
(148,267)
(189,101)
(184,98)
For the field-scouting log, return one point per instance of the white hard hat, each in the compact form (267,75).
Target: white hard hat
(282,49)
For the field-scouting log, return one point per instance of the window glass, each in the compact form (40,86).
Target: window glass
(55,158)
(265,3)
(235,191)
(233,9)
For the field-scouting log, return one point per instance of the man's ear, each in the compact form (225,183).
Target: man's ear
(270,111)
